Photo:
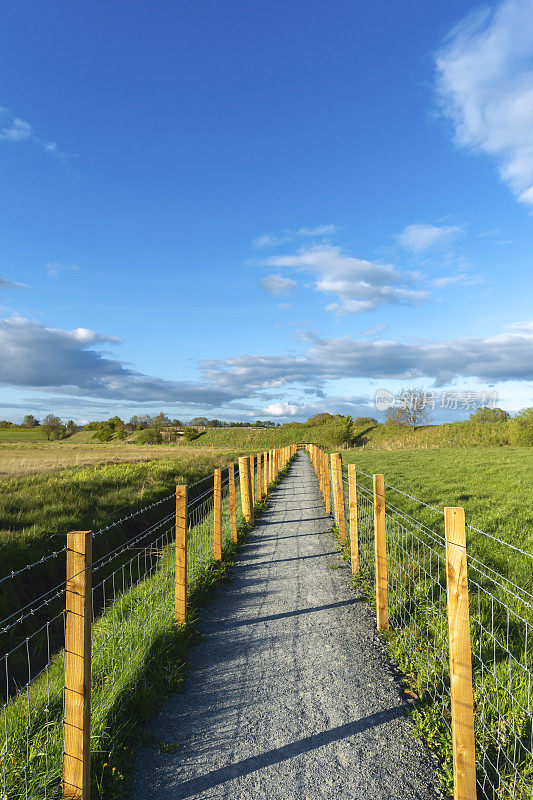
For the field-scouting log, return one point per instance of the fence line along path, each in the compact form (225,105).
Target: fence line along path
(290,695)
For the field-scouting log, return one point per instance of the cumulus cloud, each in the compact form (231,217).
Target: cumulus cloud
(57,360)
(282,410)
(419,238)
(358,285)
(278,285)
(507,356)
(485,85)
(13,129)
(71,362)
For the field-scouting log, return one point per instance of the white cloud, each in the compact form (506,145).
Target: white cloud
(320,230)
(503,357)
(278,285)
(461,280)
(54,360)
(281,410)
(521,327)
(358,284)
(16,130)
(7,284)
(420,238)
(71,363)
(485,85)
(270,240)
(13,129)
(55,268)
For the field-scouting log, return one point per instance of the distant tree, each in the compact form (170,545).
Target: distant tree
(345,433)
(115,423)
(71,427)
(104,433)
(394,416)
(150,436)
(319,419)
(200,421)
(30,421)
(161,420)
(134,421)
(489,415)
(521,427)
(4,423)
(144,421)
(410,409)
(365,421)
(177,423)
(190,433)
(51,426)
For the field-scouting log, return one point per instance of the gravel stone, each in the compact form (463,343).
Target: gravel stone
(290,696)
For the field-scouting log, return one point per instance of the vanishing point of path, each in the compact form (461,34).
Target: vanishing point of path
(290,696)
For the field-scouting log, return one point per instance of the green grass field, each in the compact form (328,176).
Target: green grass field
(139,658)
(494,487)
(492,484)
(22,435)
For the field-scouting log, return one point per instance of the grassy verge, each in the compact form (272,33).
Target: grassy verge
(490,484)
(139,659)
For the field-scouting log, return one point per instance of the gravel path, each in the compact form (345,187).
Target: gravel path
(290,695)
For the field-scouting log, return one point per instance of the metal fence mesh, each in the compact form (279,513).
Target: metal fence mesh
(132,604)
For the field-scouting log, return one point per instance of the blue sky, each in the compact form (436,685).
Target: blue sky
(263,209)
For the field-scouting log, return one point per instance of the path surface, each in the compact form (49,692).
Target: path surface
(290,696)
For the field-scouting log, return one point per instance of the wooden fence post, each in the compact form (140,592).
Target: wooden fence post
(259,481)
(180,578)
(340,500)
(265,473)
(334,485)
(354,538)
(327,494)
(232,509)
(77,722)
(217,515)
(380,541)
(464,757)
(246,500)
(252,478)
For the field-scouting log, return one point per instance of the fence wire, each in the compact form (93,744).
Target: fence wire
(501,620)
(132,601)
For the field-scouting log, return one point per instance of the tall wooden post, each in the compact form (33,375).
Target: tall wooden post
(464,758)
(232,509)
(77,722)
(246,498)
(252,478)
(354,538)
(380,541)
(217,515)
(340,499)
(327,493)
(259,481)
(180,579)
(334,486)
(265,473)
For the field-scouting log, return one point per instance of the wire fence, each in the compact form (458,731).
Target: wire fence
(501,636)
(131,605)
